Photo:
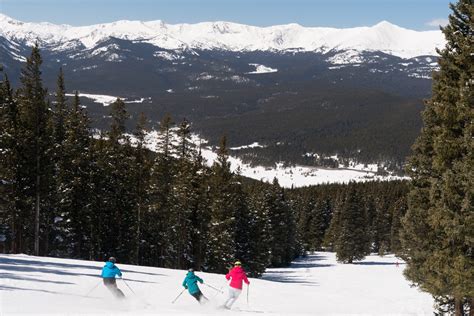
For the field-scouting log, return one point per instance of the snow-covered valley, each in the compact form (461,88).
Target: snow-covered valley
(288,176)
(316,285)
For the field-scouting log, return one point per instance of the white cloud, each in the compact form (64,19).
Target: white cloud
(437,22)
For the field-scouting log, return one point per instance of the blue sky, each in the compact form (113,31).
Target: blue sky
(414,14)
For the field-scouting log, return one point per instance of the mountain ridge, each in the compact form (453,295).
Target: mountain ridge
(221,35)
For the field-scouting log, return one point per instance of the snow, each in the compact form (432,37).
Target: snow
(294,176)
(140,100)
(300,176)
(384,36)
(204,76)
(167,55)
(315,285)
(104,49)
(106,100)
(346,57)
(419,76)
(252,145)
(261,69)
(86,68)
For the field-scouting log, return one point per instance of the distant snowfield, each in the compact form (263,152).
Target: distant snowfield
(261,69)
(296,176)
(316,285)
(252,145)
(107,100)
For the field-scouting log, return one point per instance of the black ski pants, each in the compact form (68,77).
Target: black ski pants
(111,285)
(199,297)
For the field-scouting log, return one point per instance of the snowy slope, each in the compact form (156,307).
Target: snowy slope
(384,36)
(316,285)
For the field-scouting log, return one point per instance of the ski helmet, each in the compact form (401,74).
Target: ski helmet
(191,270)
(112,259)
(238,263)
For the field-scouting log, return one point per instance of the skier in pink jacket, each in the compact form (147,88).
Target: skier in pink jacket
(236,276)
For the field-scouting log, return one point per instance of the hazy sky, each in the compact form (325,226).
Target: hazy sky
(414,14)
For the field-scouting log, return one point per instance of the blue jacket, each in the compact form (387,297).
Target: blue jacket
(190,282)
(110,270)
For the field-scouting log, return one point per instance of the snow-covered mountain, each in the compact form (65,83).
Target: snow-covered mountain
(384,36)
(351,93)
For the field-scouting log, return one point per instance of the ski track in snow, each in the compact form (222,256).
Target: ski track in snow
(316,285)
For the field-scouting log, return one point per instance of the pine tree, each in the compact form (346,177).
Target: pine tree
(142,169)
(259,230)
(201,211)
(75,216)
(221,244)
(320,221)
(352,241)
(439,225)
(305,231)
(184,203)
(332,233)
(9,220)
(58,118)
(119,116)
(243,224)
(118,196)
(36,149)
(157,214)
(398,210)
(283,226)
(382,225)
(60,113)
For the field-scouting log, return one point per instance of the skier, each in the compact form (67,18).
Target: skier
(109,271)
(236,275)
(190,283)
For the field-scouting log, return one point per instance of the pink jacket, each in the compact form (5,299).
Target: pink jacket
(237,274)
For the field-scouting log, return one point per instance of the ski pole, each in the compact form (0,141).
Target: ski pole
(214,288)
(128,286)
(248,285)
(92,289)
(178,296)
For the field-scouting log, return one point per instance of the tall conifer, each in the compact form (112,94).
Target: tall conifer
(439,224)
(36,147)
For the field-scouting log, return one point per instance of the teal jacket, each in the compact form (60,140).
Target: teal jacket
(190,282)
(110,270)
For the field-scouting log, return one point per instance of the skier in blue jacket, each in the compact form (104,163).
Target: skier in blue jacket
(109,272)
(190,283)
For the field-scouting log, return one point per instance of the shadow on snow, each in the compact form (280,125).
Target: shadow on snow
(374,263)
(284,275)
(12,276)
(29,265)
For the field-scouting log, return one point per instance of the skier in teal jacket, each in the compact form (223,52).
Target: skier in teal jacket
(109,271)
(190,283)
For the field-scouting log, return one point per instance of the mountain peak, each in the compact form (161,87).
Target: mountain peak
(384,36)
(386,25)
(6,18)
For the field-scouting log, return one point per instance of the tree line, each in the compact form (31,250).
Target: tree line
(71,191)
